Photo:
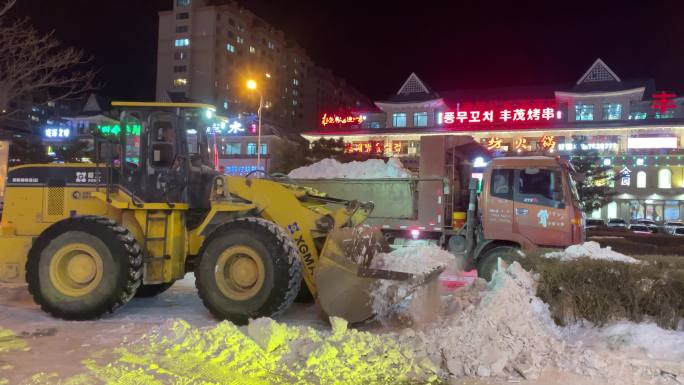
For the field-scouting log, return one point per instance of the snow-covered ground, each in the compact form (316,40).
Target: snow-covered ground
(592,250)
(369,169)
(483,334)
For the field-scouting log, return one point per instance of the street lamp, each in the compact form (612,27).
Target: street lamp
(252,85)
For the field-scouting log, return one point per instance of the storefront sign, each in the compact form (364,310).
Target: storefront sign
(601,146)
(373,147)
(652,142)
(625,176)
(547,142)
(341,120)
(57,133)
(513,115)
(662,102)
(521,145)
(494,143)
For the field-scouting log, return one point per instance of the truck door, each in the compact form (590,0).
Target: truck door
(541,215)
(497,209)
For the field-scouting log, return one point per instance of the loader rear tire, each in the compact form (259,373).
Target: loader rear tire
(147,291)
(248,268)
(83,268)
(487,263)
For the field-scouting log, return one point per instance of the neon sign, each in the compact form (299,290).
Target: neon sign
(536,114)
(521,144)
(494,143)
(663,102)
(373,147)
(57,133)
(548,142)
(341,120)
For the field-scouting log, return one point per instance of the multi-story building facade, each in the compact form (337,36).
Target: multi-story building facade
(208,49)
(637,129)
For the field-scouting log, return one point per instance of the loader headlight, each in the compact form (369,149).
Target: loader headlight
(219,191)
(325,223)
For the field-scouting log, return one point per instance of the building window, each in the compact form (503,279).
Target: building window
(240,27)
(420,119)
(179,55)
(271,45)
(294,102)
(399,119)
(240,39)
(294,92)
(295,81)
(232,149)
(264,149)
(180,82)
(374,124)
(182,29)
(252,49)
(182,42)
(641,179)
(182,3)
(180,68)
(638,115)
(251,148)
(182,16)
(231,22)
(584,112)
(230,47)
(664,178)
(612,111)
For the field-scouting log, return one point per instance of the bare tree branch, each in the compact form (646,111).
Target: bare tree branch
(38,68)
(9,4)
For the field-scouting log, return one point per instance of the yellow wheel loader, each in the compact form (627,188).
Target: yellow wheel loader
(88,237)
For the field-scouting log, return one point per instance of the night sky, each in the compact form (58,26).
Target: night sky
(376,45)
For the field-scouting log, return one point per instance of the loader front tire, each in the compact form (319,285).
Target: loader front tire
(248,268)
(83,268)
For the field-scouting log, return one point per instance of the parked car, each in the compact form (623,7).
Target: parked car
(678,232)
(617,223)
(594,223)
(672,225)
(649,223)
(640,229)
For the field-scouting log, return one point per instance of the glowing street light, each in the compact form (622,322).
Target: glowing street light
(252,85)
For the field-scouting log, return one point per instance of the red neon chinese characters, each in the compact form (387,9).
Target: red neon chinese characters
(505,115)
(662,102)
(341,120)
(548,142)
(494,143)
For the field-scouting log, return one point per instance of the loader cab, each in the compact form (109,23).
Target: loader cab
(166,152)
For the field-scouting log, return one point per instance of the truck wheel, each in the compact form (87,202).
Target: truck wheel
(248,268)
(487,263)
(146,291)
(83,268)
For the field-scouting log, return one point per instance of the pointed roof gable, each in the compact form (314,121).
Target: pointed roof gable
(92,105)
(598,72)
(413,85)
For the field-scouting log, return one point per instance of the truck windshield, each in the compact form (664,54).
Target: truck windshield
(573,188)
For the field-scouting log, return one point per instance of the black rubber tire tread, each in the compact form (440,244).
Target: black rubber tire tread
(486,264)
(286,263)
(124,249)
(152,290)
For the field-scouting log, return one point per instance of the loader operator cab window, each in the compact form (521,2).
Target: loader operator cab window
(132,128)
(540,186)
(163,137)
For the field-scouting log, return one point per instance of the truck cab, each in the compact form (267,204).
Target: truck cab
(531,201)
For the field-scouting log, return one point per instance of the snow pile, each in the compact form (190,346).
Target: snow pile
(501,329)
(632,339)
(386,295)
(369,169)
(590,250)
(268,352)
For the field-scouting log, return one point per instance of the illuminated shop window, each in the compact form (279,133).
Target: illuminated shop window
(399,119)
(612,111)
(252,49)
(181,42)
(638,115)
(231,149)
(240,39)
(667,115)
(264,149)
(251,149)
(182,3)
(420,119)
(664,178)
(180,82)
(584,112)
(230,47)
(641,179)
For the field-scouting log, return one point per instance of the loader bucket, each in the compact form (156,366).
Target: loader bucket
(344,277)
